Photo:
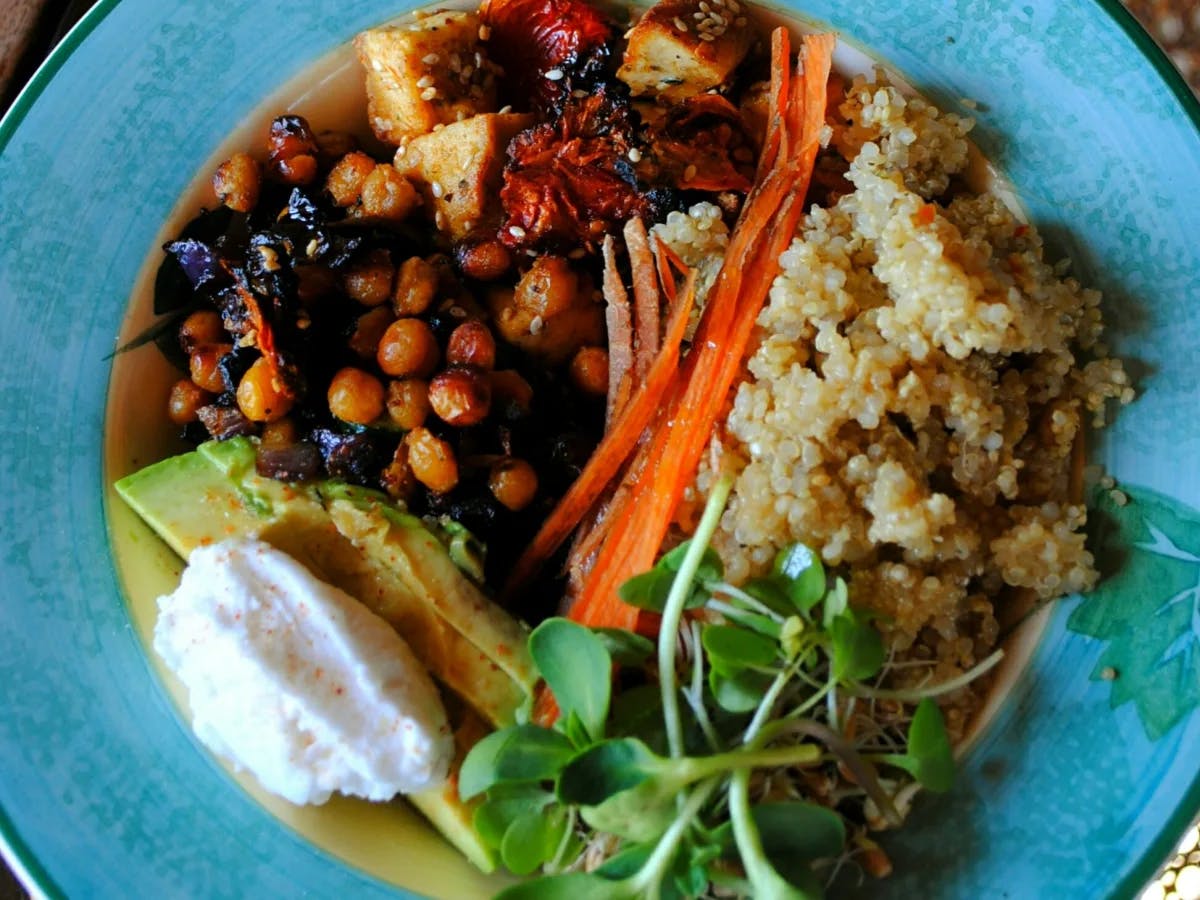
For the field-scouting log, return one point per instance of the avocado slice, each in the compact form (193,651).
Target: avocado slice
(350,537)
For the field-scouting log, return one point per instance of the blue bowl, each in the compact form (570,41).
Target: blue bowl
(1085,775)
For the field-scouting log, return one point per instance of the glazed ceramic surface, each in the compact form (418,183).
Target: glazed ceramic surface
(1077,788)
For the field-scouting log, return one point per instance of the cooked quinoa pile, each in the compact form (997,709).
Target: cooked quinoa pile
(921,378)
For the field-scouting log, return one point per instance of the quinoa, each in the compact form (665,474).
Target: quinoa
(919,383)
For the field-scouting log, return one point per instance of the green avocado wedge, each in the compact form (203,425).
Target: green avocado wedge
(393,562)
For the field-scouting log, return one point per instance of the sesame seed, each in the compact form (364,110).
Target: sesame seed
(740,21)
(699,17)
(438,127)
(431,59)
(429,93)
(478,60)
(680,24)
(484,32)
(689,173)
(629,34)
(554,75)
(440,220)
(535,325)
(435,188)
(635,155)
(505,110)
(734,6)
(704,7)
(425,81)
(455,62)
(457,312)
(578,94)
(531,253)
(707,37)
(312,248)
(460,115)
(516,231)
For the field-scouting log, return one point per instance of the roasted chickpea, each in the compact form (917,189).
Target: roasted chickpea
(200,328)
(483,260)
(368,330)
(298,170)
(397,477)
(408,402)
(407,347)
(369,281)
(292,150)
(589,370)
(387,196)
(355,396)
(416,286)
(432,460)
(185,400)
(279,433)
(333,145)
(472,344)
(461,396)
(511,394)
(204,366)
(260,396)
(513,482)
(237,182)
(345,180)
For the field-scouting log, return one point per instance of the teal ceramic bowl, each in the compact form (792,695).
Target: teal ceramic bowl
(1077,787)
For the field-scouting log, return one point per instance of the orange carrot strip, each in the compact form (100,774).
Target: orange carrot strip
(769,220)
(663,263)
(646,315)
(612,451)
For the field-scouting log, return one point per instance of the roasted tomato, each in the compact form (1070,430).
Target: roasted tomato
(570,182)
(703,144)
(546,47)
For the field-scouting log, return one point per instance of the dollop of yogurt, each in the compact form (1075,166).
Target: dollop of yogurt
(297,682)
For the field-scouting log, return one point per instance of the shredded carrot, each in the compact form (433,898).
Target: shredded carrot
(663,263)
(768,222)
(646,300)
(619,323)
(613,450)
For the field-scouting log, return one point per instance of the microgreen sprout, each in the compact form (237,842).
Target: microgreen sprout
(624,796)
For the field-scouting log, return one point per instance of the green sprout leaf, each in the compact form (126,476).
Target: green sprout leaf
(533,754)
(802,576)
(792,833)
(711,568)
(857,647)
(504,806)
(577,669)
(731,650)
(605,769)
(478,771)
(649,590)
(930,758)
(837,601)
(627,648)
(532,839)
(574,886)
(738,693)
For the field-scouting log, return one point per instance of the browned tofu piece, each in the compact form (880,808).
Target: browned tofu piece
(431,71)
(458,169)
(684,47)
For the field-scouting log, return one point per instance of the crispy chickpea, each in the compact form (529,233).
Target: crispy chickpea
(204,366)
(397,477)
(279,433)
(355,396)
(511,393)
(407,347)
(472,344)
(345,180)
(589,370)
(200,328)
(333,145)
(432,460)
(368,330)
(260,396)
(408,402)
(292,150)
(185,400)
(387,195)
(237,182)
(483,260)
(370,280)
(513,482)
(416,286)
(461,396)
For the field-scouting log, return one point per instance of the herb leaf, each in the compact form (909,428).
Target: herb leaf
(731,650)
(532,753)
(504,806)
(532,839)
(857,647)
(627,648)
(802,576)
(573,886)
(605,769)
(478,771)
(930,758)
(740,692)
(577,669)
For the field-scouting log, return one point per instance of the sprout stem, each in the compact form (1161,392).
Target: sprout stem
(912,695)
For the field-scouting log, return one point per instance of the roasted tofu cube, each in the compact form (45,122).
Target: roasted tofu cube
(431,71)
(458,169)
(684,47)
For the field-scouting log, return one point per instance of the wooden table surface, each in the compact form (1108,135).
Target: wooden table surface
(29,29)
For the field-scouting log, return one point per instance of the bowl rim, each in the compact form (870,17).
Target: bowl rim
(35,877)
